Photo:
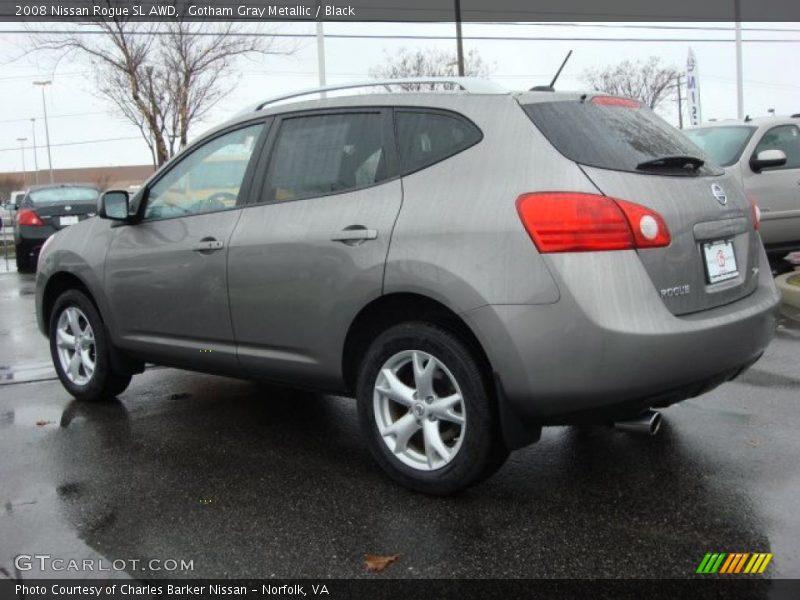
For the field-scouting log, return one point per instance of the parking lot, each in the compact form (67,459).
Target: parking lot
(250,481)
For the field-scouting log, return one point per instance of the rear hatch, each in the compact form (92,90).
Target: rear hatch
(631,154)
(62,206)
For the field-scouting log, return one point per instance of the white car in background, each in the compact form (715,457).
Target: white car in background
(764,154)
(8,210)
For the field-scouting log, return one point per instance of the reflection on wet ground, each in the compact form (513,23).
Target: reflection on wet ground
(253,481)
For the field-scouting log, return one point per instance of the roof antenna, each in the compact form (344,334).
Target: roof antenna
(551,87)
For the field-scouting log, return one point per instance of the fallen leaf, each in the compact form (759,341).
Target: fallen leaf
(42,423)
(377,563)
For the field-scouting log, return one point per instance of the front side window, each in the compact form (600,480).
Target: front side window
(207,180)
(785,138)
(325,154)
(426,138)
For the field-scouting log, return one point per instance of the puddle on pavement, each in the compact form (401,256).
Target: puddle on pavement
(36,417)
(26,373)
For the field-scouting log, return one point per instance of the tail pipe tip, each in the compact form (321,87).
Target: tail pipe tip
(648,423)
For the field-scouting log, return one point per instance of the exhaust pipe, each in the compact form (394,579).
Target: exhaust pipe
(648,423)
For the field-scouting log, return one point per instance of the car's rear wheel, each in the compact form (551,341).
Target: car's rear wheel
(426,410)
(80,349)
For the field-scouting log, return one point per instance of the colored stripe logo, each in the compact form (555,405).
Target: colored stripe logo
(734,563)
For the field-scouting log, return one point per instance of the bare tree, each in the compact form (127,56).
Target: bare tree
(162,77)
(431,62)
(647,81)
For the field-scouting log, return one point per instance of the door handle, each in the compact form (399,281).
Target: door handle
(208,245)
(354,234)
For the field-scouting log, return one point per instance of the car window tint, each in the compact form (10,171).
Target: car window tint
(613,133)
(785,138)
(324,154)
(426,138)
(207,180)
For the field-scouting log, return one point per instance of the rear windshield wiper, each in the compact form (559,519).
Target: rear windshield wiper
(691,163)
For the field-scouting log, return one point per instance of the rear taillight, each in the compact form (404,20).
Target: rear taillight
(755,212)
(579,222)
(28,217)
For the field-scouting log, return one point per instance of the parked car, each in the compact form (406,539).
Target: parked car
(471,266)
(46,209)
(8,210)
(763,154)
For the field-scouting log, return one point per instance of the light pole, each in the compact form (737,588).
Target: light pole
(35,158)
(43,84)
(22,141)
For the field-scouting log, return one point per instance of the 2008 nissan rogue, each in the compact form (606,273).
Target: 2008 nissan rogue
(471,264)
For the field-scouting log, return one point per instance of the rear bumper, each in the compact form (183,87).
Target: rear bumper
(610,344)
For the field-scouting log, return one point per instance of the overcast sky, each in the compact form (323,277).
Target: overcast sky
(78,113)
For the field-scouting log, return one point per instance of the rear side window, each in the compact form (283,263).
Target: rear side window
(615,134)
(324,154)
(786,138)
(426,137)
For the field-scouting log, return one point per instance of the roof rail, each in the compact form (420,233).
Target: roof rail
(470,85)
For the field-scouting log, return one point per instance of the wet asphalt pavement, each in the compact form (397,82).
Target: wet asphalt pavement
(250,481)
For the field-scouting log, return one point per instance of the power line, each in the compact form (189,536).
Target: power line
(366,36)
(85,114)
(119,139)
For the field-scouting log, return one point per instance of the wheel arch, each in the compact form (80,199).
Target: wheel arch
(60,282)
(391,309)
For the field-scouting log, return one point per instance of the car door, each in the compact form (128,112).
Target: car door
(311,251)
(166,275)
(777,189)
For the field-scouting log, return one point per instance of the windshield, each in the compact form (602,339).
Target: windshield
(63,195)
(614,133)
(723,144)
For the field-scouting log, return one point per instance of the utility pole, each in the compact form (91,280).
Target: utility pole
(321,53)
(459,40)
(44,84)
(680,104)
(737,9)
(35,158)
(22,141)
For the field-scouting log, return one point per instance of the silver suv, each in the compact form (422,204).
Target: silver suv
(471,264)
(764,155)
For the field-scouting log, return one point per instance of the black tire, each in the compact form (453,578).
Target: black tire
(24,262)
(104,383)
(482,451)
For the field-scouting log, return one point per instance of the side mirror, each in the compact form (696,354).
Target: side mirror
(114,205)
(768,158)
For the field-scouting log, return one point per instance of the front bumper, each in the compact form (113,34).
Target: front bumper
(611,344)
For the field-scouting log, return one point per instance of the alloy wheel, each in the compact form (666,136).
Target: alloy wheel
(75,343)
(419,410)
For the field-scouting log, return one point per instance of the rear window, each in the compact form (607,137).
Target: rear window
(613,135)
(723,144)
(63,195)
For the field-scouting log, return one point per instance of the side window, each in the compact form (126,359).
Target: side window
(786,138)
(323,154)
(207,180)
(428,137)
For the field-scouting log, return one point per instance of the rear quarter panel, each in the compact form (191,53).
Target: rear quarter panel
(458,238)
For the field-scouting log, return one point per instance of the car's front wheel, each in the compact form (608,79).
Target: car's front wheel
(80,349)
(426,411)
